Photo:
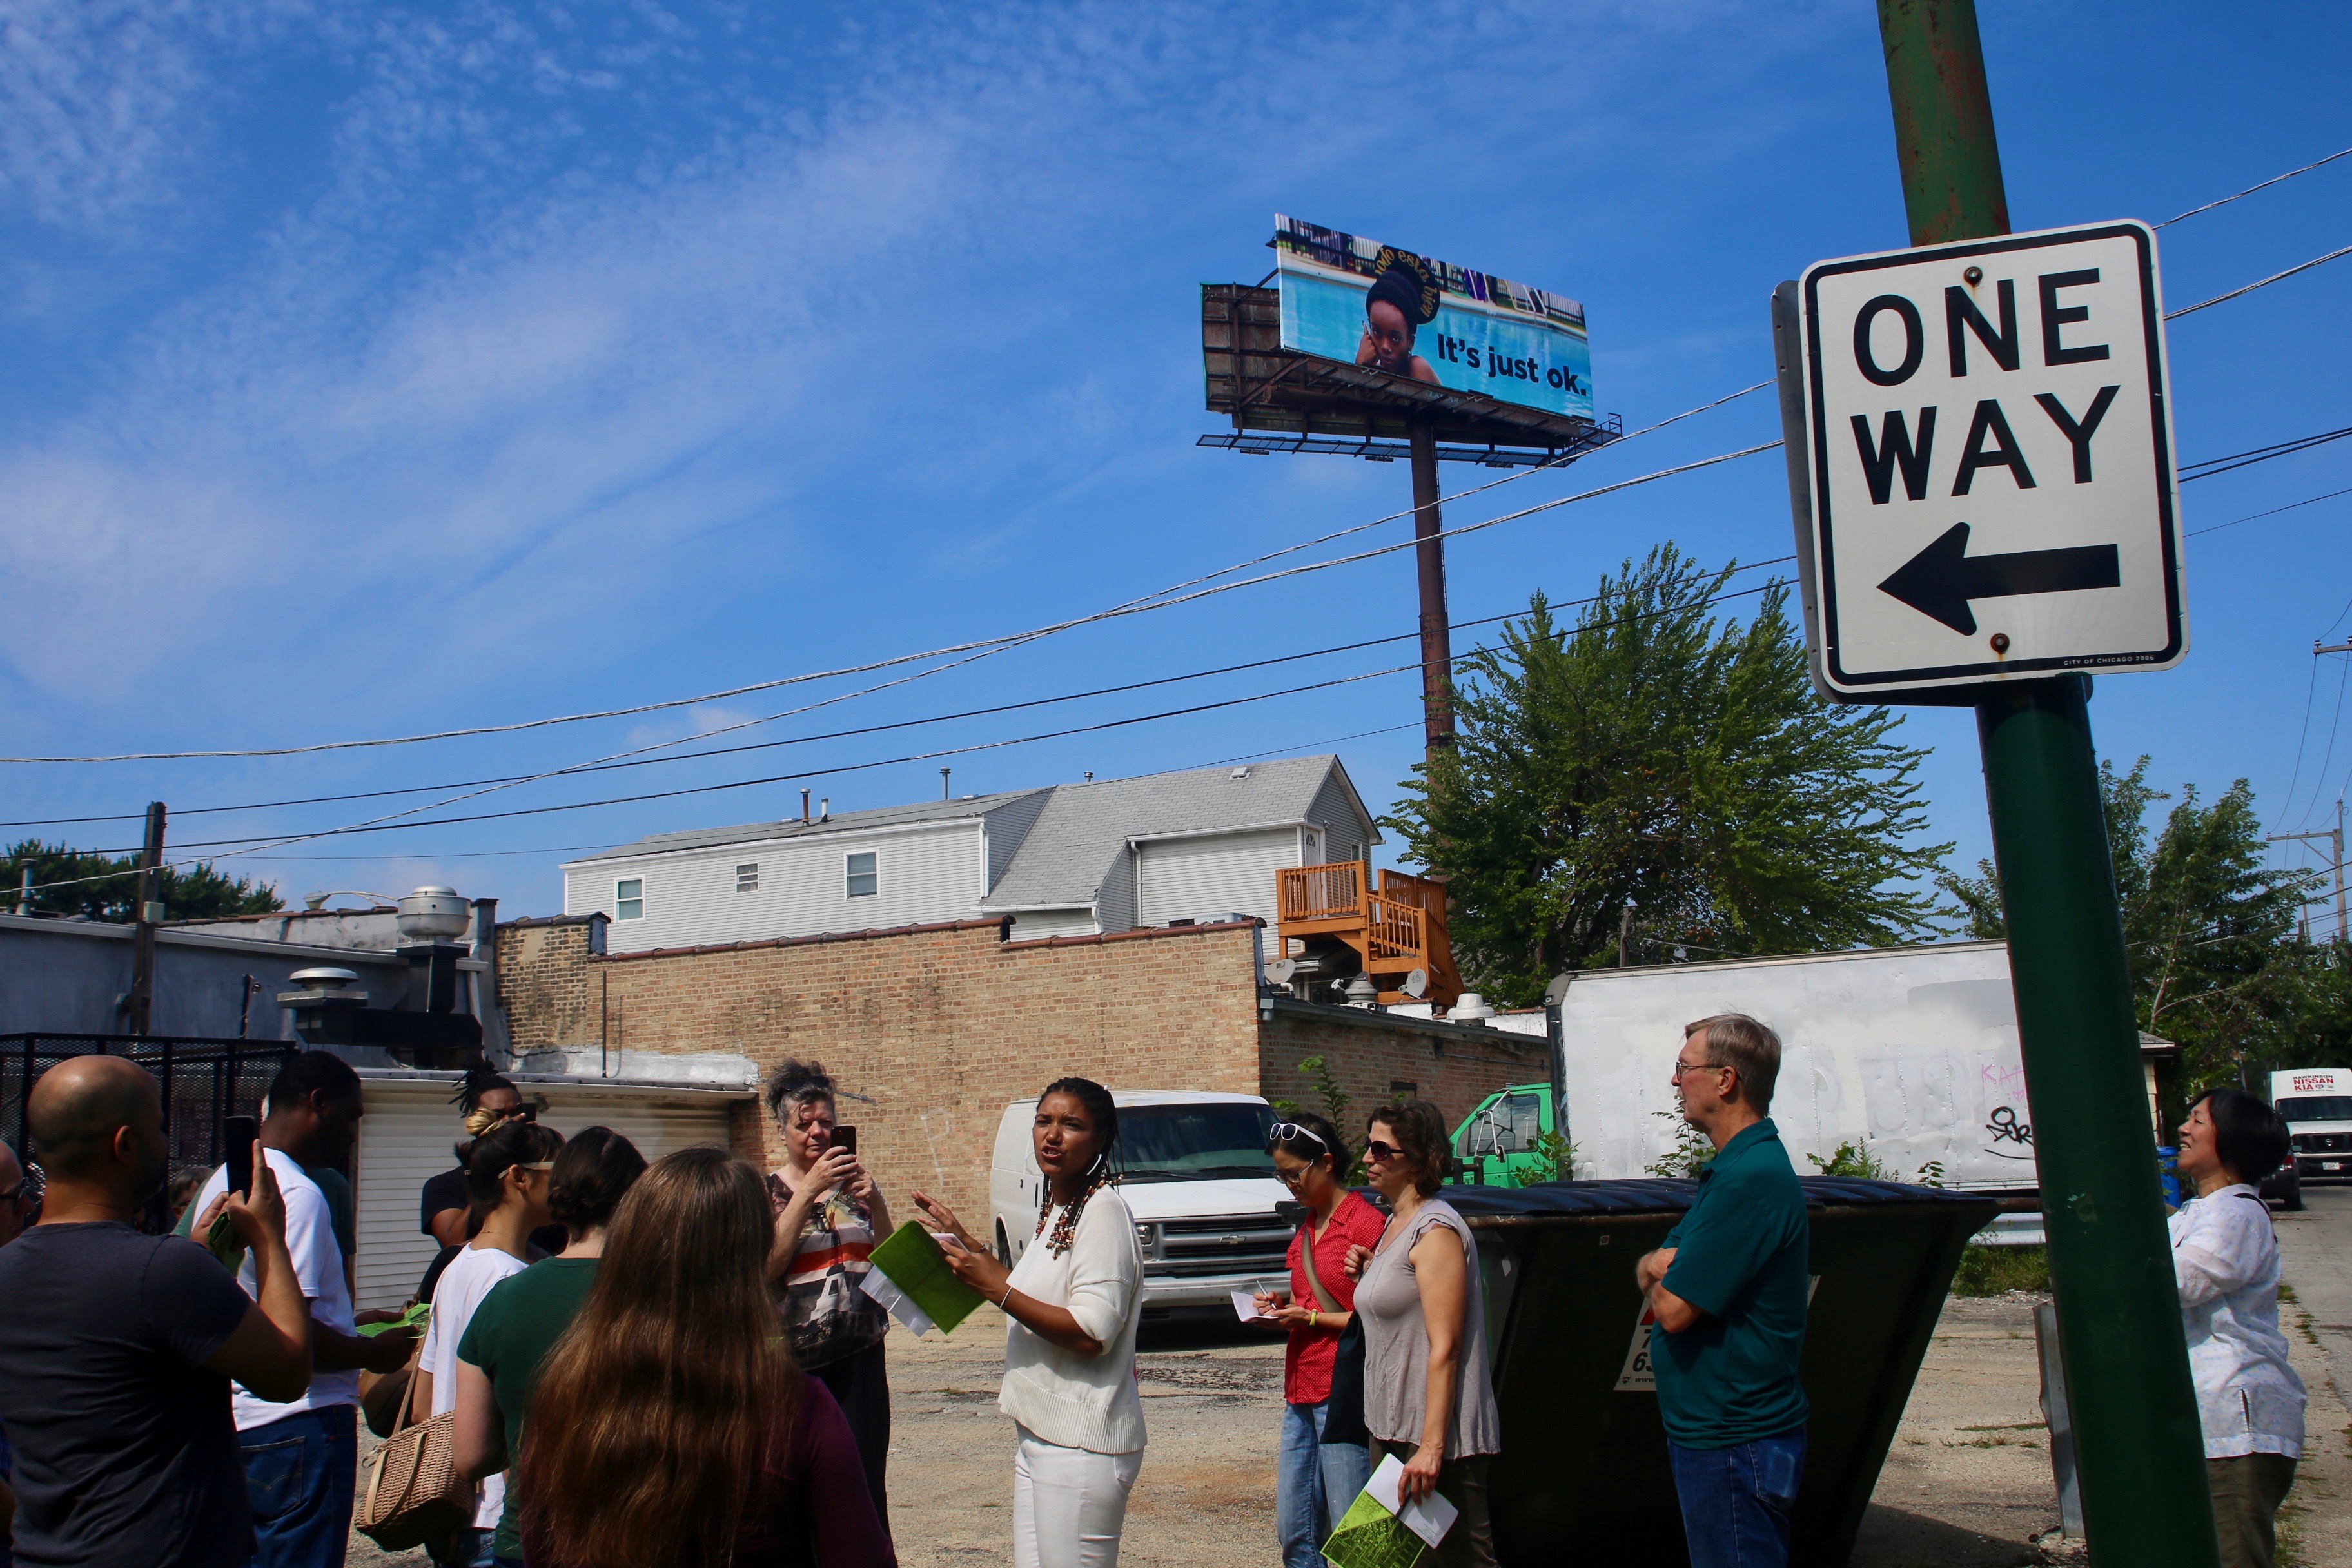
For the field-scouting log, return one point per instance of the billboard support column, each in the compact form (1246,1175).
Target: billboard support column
(2139,1447)
(1437,632)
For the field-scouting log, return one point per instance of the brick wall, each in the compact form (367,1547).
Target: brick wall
(543,984)
(1451,1067)
(942,1026)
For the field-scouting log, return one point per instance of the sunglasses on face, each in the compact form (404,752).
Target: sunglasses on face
(1379,1150)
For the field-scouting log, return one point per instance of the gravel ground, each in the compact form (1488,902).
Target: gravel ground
(1966,1483)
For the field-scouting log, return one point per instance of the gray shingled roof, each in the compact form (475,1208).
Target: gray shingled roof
(793,827)
(1084,829)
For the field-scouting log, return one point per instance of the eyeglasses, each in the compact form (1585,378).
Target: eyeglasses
(1683,1066)
(535,1165)
(1291,1133)
(1377,1150)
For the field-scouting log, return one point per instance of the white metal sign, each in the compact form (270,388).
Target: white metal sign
(1981,461)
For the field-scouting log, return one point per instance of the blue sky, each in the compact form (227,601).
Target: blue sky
(382,369)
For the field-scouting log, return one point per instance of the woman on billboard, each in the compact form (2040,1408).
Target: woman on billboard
(1402,297)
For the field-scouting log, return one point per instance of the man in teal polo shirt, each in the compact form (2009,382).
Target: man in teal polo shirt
(1728,1293)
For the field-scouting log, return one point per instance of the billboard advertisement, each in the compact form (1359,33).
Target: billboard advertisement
(1364,303)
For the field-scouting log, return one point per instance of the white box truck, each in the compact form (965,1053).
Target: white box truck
(1194,1170)
(2316,1103)
(1912,1048)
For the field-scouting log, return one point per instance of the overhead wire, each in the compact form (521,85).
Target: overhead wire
(1164,598)
(2211,466)
(2250,190)
(2259,284)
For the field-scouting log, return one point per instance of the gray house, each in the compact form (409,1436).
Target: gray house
(1073,859)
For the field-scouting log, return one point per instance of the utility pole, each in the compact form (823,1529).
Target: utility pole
(2335,837)
(1625,936)
(148,915)
(1436,634)
(2138,1445)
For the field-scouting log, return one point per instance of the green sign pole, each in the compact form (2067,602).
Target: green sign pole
(2139,1450)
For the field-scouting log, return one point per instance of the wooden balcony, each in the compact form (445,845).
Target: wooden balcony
(1394,928)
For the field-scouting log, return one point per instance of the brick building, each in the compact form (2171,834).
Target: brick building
(931,1030)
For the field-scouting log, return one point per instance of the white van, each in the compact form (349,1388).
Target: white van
(1194,1170)
(2316,1105)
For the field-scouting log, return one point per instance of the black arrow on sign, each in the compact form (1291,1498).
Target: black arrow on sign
(1940,580)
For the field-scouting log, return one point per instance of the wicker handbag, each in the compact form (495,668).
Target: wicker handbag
(414,1492)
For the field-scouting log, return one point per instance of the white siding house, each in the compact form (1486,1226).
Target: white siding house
(1069,860)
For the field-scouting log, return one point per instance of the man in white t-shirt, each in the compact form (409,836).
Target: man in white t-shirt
(301,1458)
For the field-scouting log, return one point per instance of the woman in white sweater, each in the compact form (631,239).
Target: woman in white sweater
(1073,1301)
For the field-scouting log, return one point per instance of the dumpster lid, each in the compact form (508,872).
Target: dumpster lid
(1674,1196)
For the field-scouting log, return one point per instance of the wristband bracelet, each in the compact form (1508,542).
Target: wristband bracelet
(1314,1318)
(1008,1296)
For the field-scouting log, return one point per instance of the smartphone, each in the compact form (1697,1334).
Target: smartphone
(238,1133)
(843,1137)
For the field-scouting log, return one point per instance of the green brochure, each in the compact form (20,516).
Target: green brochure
(1369,1536)
(412,1319)
(911,1277)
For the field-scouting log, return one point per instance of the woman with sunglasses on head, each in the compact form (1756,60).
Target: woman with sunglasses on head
(485,1099)
(1073,1302)
(1428,1398)
(507,1180)
(1319,1476)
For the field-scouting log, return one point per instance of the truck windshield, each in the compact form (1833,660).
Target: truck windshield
(1194,1142)
(2315,1108)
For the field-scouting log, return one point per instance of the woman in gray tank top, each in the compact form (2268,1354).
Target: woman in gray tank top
(1428,1398)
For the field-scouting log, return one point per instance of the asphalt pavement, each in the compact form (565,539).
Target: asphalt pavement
(2316,1263)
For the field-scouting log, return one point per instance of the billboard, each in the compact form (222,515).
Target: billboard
(1364,303)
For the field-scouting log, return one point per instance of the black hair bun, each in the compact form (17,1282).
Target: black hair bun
(1405,280)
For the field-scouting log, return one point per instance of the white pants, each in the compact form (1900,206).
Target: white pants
(1068,1505)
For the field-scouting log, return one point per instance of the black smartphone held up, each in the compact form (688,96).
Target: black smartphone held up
(238,1133)
(843,1137)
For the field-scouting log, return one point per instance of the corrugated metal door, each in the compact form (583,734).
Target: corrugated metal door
(406,1138)
(405,1141)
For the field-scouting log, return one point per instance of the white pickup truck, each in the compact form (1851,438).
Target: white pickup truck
(1194,1170)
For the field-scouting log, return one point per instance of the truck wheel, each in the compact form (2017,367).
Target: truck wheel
(2291,1194)
(1003,1247)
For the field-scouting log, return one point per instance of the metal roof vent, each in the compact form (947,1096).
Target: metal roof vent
(1470,1008)
(1360,992)
(1238,775)
(433,914)
(324,979)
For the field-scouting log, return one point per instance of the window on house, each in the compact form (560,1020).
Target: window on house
(864,879)
(747,878)
(629,899)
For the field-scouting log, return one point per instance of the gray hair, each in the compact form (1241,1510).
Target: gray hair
(1739,1042)
(796,1083)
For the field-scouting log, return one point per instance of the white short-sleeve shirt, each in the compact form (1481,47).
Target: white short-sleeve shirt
(456,1294)
(318,1269)
(2225,1263)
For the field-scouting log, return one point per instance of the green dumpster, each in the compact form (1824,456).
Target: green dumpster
(1583,1475)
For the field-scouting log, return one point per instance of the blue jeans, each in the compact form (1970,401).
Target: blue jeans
(1736,1501)
(299,1474)
(1316,1483)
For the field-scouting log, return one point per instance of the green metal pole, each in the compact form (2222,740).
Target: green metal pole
(2139,1452)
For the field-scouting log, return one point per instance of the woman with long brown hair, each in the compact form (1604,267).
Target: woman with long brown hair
(669,1428)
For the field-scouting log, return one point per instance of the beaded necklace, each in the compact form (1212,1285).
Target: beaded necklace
(1066,1227)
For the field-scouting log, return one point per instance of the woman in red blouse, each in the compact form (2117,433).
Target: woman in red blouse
(1317,1479)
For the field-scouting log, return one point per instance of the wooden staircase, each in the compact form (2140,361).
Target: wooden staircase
(1394,928)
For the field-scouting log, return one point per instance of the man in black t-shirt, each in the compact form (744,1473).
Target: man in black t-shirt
(117,1348)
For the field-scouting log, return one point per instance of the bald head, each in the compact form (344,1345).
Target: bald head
(81,1106)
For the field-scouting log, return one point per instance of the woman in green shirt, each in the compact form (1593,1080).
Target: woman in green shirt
(512,1330)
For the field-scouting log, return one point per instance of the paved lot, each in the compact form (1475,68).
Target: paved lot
(1966,1483)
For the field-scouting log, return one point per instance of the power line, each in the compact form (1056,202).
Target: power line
(227,853)
(845,734)
(2307,500)
(1164,599)
(2211,466)
(2260,283)
(2250,190)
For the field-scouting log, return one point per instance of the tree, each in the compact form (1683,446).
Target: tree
(2211,934)
(1659,754)
(106,887)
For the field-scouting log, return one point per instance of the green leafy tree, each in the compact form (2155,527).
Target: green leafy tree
(2219,964)
(1659,753)
(106,887)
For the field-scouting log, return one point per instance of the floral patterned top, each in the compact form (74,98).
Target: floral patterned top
(827,1315)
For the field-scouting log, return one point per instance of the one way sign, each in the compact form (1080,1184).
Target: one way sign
(1980,461)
